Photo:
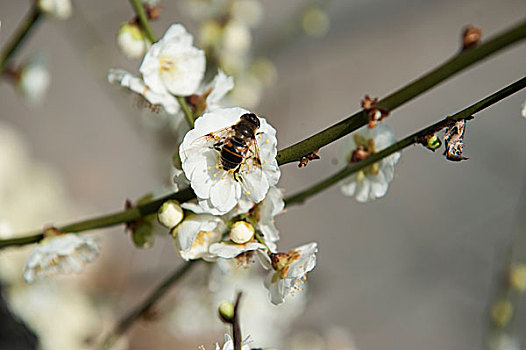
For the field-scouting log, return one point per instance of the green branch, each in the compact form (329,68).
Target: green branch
(295,152)
(408,141)
(121,217)
(143,20)
(146,304)
(20,35)
(449,68)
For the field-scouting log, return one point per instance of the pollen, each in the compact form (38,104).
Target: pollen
(248,192)
(209,167)
(259,136)
(267,141)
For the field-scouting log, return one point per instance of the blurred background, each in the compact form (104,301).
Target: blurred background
(416,269)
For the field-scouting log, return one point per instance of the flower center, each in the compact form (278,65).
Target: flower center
(364,149)
(167,65)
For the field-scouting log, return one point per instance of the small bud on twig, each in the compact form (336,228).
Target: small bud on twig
(471,37)
(305,159)
(374,113)
(431,142)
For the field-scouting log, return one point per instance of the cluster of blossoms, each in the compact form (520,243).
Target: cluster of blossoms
(233,214)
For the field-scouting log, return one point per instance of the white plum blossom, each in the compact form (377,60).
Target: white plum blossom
(229,344)
(173,65)
(60,254)
(372,182)
(218,190)
(196,233)
(137,85)
(60,9)
(132,41)
(289,271)
(34,80)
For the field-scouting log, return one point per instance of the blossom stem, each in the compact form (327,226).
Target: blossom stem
(449,68)
(406,142)
(186,110)
(236,327)
(143,20)
(20,35)
(126,322)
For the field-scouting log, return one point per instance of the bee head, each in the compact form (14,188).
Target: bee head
(252,118)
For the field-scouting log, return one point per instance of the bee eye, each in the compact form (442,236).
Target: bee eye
(251,117)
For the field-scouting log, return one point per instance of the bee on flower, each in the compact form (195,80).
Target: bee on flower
(372,182)
(229,154)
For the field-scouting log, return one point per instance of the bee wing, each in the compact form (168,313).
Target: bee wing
(253,159)
(213,139)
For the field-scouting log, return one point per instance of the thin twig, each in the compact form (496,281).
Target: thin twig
(307,146)
(20,35)
(410,140)
(449,68)
(132,316)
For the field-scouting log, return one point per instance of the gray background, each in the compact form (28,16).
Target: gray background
(413,270)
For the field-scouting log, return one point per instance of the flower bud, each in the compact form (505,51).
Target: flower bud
(226,311)
(57,8)
(518,277)
(132,41)
(241,232)
(170,214)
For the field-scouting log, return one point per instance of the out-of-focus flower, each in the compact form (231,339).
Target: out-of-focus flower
(60,254)
(315,22)
(137,85)
(132,41)
(34,80)
(61,9)
(249,12)
(289,271)
(219,190)
(173,65)
(236,37)
(373,181)
(196,233)
(62,317)
(523,109)
(170,214)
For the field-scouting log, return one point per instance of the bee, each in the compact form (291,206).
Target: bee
(237,144)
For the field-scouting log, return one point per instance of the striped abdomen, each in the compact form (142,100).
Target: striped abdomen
(232,153)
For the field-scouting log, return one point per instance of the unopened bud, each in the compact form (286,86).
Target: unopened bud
(170,214)
(132,40)
(241,232)
(226,311)
(518,277)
